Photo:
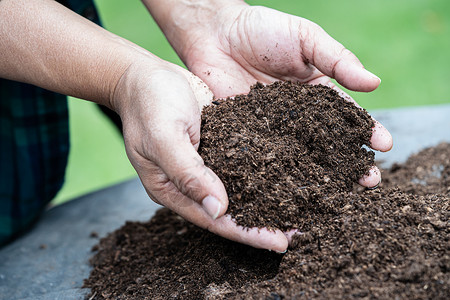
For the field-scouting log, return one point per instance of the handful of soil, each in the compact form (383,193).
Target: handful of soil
(283,147)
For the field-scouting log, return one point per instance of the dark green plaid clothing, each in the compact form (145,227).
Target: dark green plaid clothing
(34,146)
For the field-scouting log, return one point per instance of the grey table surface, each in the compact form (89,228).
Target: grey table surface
(56,271)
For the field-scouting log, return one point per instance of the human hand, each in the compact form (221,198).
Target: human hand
(158,103)
(160,109)
(237,45)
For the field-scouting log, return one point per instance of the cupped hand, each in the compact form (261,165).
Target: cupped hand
(244,44)
(160,111)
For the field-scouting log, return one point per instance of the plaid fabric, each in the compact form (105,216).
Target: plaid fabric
(34,146)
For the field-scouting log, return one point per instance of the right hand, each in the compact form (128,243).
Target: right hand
(160,108)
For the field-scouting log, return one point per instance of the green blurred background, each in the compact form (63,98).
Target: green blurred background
(405,42)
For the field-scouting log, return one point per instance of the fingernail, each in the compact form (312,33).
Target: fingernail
(212,206)
(374,187)
(372,75)
(283,252)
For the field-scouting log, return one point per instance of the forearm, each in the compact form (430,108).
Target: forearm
(182,21)
(45,44)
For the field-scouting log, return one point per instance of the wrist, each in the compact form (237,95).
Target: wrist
(184,23)
(133,81)
(145,80)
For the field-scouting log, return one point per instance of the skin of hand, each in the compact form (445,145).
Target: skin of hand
(45,44)
(231,45)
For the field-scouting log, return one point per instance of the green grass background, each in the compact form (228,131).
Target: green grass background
(405,42)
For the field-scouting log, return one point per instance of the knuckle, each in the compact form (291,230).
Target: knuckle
(189,184)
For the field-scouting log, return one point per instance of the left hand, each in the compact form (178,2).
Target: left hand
(244,44)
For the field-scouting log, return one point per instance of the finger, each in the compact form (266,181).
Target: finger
(333,59)
(290,234)
(381,139)
(186,170)
(227,228)
(159,187)
(274,240)
(202,92)
(372,179)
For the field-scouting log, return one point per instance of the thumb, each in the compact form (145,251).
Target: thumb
(333,59)
(186,170)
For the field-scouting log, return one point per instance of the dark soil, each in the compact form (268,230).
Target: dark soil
(388,243)
(427,172)
(282,148)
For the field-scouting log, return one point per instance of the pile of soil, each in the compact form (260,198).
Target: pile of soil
(427,172)
(392,242)
(282,148)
